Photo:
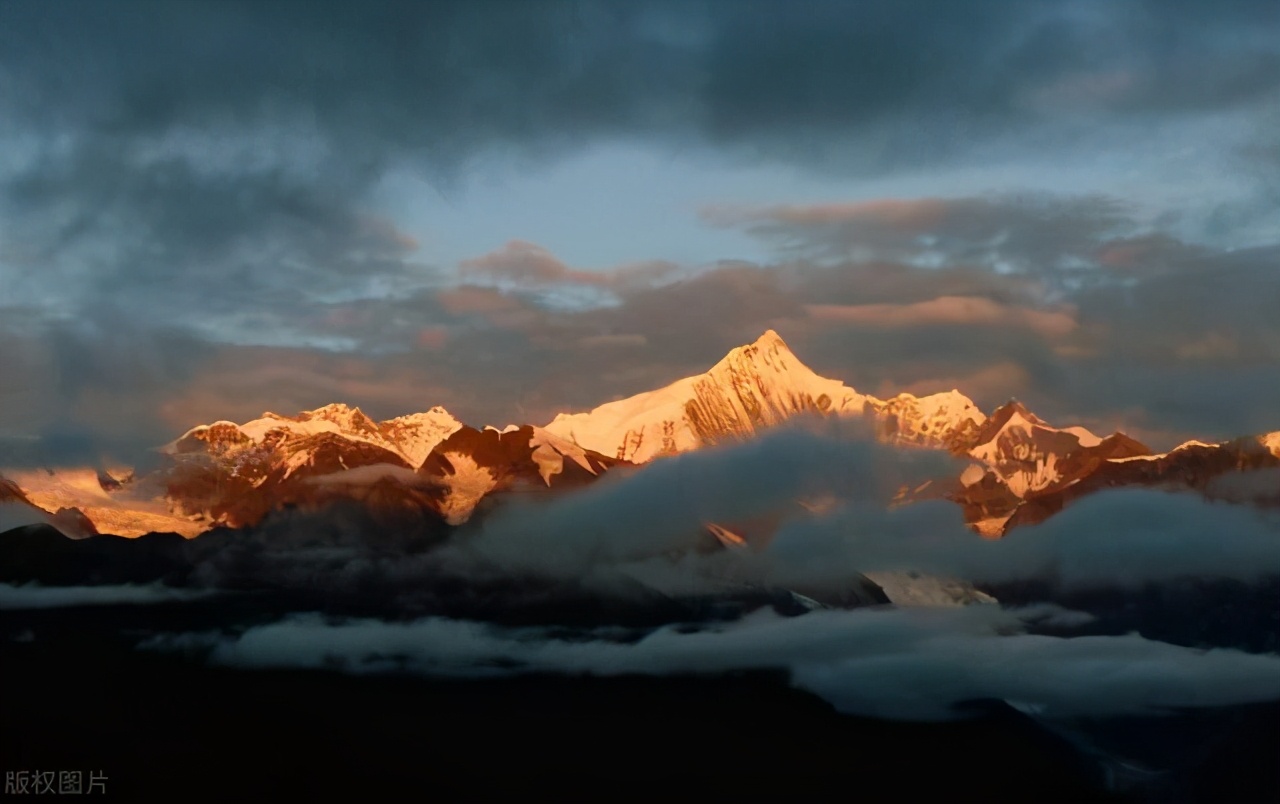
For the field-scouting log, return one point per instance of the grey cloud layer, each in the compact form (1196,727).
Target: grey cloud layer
(31,596)
(448,77)
(665,507)
(1113,539)
(904,663)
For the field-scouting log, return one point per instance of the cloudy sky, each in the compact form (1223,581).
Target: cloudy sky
(211,209)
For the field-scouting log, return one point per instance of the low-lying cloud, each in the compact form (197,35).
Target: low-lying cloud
(898,663)
(1120,538)
(665,507)
(33,596)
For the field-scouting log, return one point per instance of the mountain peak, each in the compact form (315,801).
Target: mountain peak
(766,353)
(410,437)
(334,411)
(770,338)
(333,407)
(756,385)
(1014,407)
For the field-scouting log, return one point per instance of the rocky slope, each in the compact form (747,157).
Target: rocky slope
(1242,470)
(429,463)
(426,466)
(1030,470)
(470,464)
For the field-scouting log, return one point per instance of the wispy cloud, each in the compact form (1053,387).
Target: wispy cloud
(33,596)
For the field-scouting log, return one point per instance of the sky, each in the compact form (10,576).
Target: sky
(514,209)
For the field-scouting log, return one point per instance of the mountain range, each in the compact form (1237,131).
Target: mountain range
(1013,468)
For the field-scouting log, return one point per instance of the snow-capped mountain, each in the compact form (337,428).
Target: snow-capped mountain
(426,464)
(235,474)
(1227,470)
(755,387)
(430,465)
(1030,470)
(410,437)
(1029,455)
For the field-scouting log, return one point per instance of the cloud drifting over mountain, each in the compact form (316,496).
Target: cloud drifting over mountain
(1123,538)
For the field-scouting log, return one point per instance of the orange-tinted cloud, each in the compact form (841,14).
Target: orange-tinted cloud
(528,263)
(992,384)
(470,299)
(489,305)
(433,337)
(947,310)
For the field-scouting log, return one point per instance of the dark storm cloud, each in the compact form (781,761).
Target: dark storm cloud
(86,389)
(211,166)
(450,76)
(177,239)
(1193,346)
(230,147)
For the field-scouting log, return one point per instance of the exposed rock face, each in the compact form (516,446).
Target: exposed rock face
(471,463)
(1030,456)
(1195,466)
(242,488)
(420,465)
(234,474)
(1030,471)
(1022,458)
(948,420)
(755,387)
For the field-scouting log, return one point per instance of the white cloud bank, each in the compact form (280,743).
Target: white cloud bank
(913,663)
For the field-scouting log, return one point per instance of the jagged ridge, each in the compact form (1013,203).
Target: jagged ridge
(431,464)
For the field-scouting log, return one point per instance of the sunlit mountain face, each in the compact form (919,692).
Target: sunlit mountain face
(630,400)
